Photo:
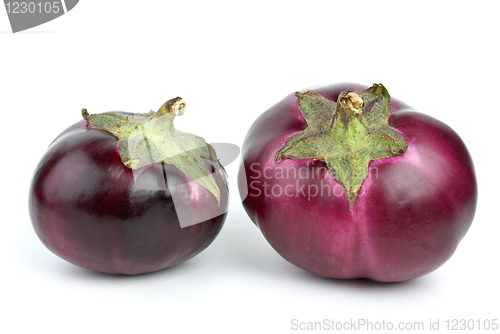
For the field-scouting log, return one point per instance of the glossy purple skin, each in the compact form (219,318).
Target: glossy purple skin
(86,207)
(406,222)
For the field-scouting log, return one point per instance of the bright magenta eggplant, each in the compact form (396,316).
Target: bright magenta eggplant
(346,182)
(108,193)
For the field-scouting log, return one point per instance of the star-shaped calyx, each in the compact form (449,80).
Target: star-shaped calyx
(151,137)
(346,135)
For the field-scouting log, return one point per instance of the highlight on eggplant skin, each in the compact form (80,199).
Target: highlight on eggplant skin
(347,182)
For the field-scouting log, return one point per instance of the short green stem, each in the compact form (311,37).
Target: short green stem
(151,137)
(346,135)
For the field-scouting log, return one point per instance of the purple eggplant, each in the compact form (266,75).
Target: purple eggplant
(108,192)
(346,182)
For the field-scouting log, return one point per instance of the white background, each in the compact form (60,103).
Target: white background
(230,61)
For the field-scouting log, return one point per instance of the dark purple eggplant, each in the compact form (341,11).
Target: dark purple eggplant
(108,193)
(346,182)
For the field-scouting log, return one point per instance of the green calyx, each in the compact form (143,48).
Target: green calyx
(346,135)
(151,137)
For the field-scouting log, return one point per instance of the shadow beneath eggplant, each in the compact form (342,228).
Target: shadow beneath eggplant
(73,271)
(364,283)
